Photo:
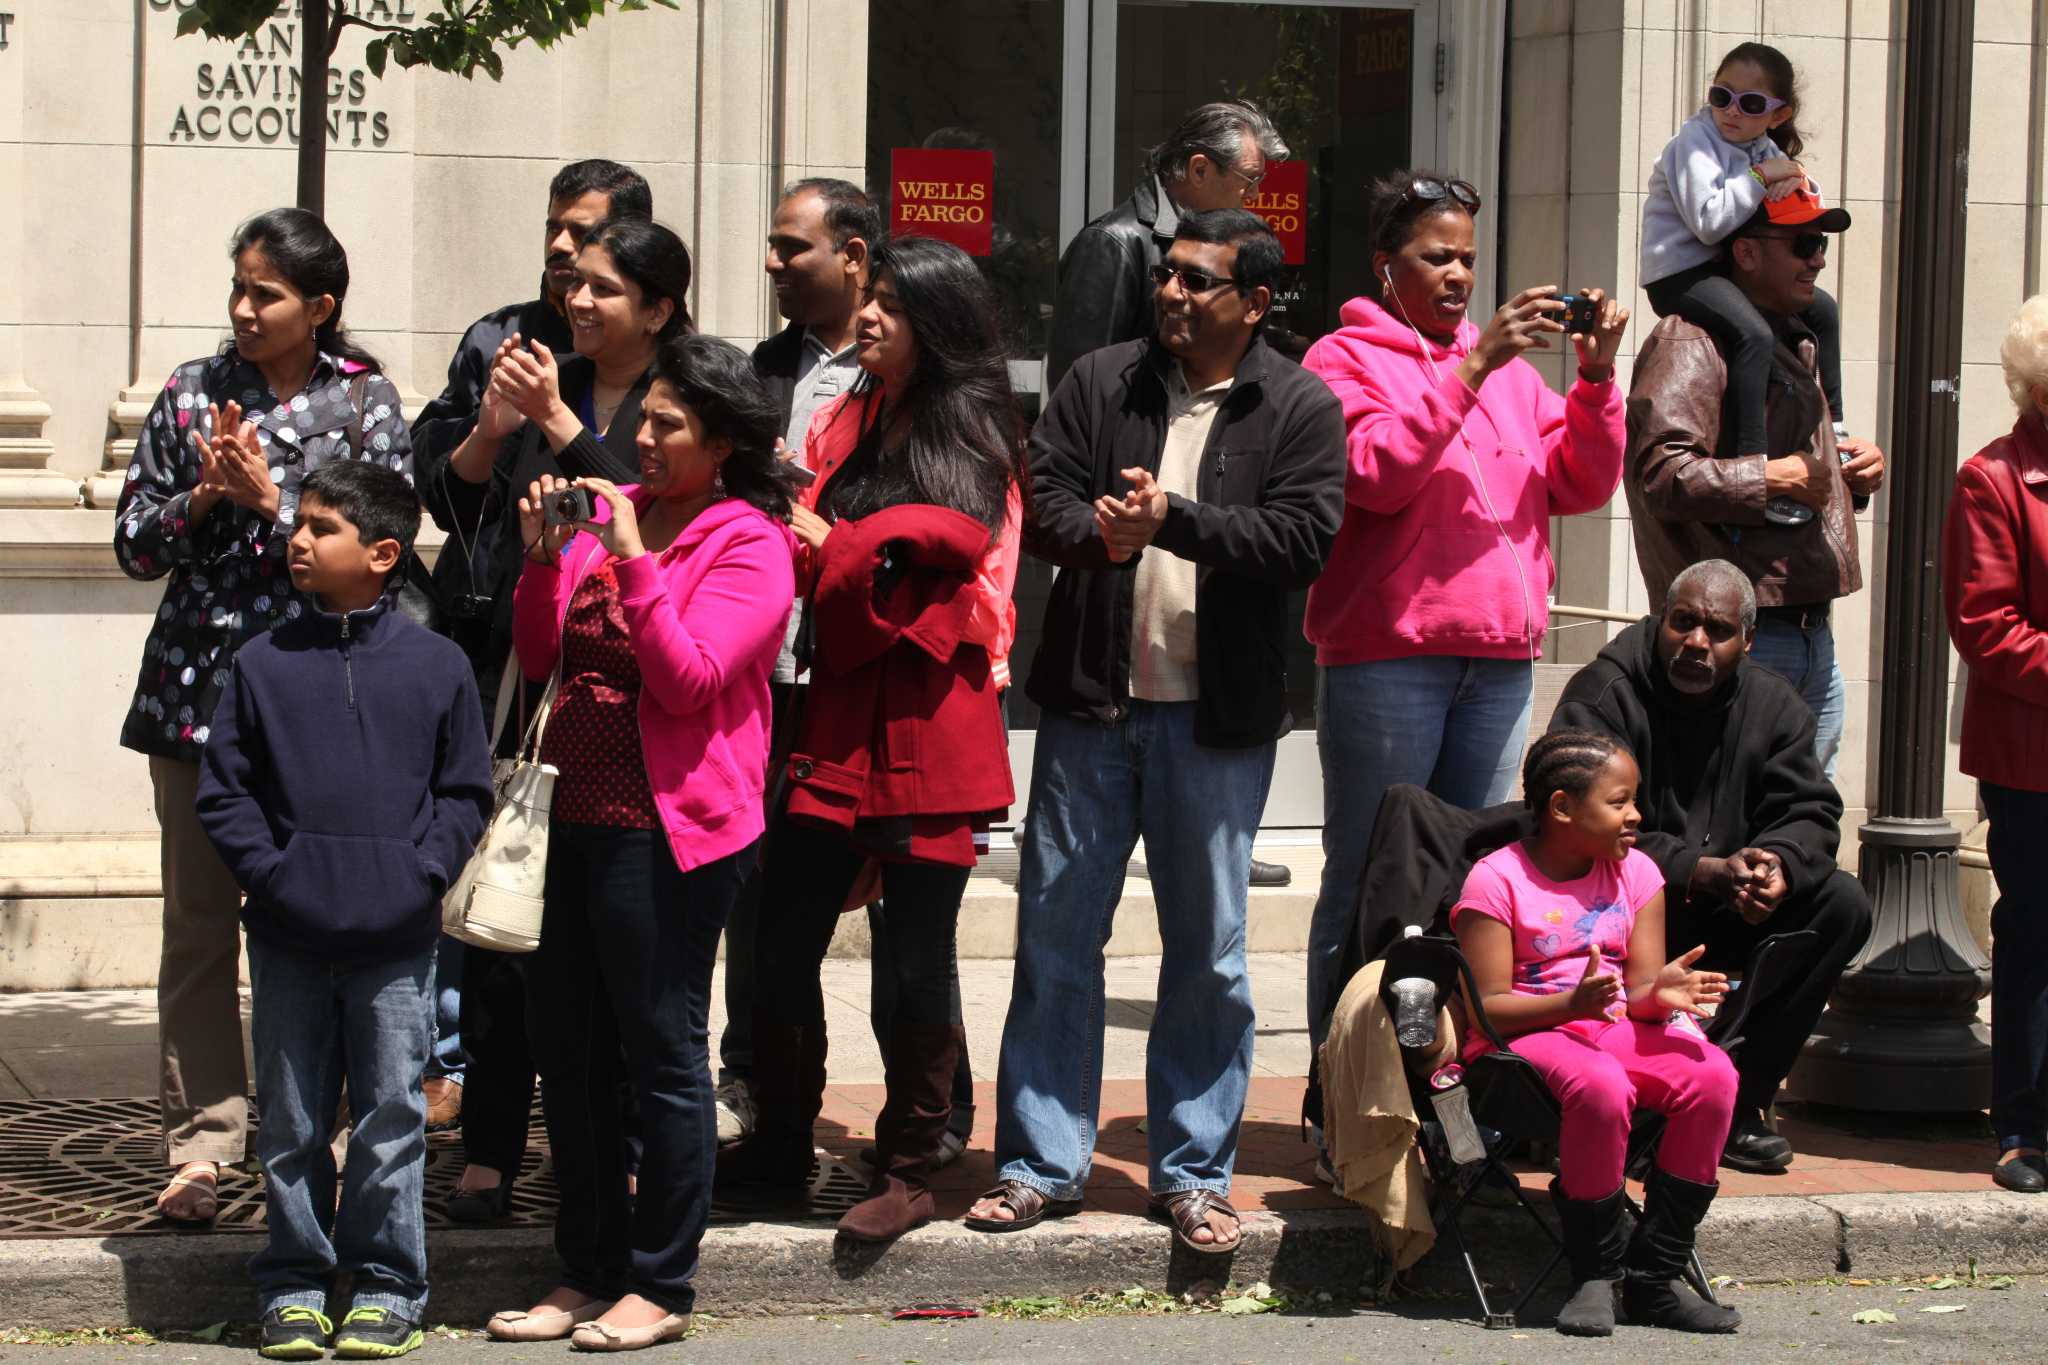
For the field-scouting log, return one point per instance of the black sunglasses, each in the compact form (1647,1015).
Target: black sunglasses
(1429,189)
(1194,281)
(1805,244)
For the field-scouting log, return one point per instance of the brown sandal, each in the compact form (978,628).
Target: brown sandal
(204,1207)
(1031,1208)
(1189,1210)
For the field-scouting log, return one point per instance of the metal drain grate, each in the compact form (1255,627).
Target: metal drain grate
(92,1168)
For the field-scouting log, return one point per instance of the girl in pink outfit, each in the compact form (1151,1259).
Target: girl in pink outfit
(1565,934)
(662,609)
(1428,617)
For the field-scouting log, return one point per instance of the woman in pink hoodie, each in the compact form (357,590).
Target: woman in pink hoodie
(1430,614)
(662,608)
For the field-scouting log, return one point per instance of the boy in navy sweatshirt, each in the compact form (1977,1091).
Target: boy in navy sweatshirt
(346,782)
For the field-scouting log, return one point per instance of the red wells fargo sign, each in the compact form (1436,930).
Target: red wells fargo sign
(944,193)
(1282,201)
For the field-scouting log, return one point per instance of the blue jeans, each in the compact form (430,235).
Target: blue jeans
(2018,845)
(316,1023)
(1454,726)
(1806,659)
(1095,789)
(448,1059)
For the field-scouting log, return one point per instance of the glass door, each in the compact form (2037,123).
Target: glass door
(1069,95)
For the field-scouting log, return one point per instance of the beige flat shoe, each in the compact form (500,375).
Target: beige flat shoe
(516,1325)
(599,1336)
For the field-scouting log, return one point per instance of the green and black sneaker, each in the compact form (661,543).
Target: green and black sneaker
(295,1332)
(376,1334)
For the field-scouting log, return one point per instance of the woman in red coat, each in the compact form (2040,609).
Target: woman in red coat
(909,550)
(1995,582)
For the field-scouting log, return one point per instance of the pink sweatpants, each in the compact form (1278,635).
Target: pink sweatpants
(1601,1072)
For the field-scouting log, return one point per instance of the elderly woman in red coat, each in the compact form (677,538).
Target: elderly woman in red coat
(1995,581)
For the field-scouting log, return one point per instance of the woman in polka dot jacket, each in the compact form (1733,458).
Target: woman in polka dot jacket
(210,502)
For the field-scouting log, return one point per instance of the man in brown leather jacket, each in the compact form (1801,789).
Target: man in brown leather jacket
(1691,498)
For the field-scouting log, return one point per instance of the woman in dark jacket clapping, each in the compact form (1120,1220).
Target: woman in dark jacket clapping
(567,418)
(210,502)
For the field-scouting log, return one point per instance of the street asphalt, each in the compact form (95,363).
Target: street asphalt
(1786,1323)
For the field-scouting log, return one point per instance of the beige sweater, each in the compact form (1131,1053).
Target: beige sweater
(1369,1122)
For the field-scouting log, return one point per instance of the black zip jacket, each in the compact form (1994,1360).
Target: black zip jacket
(1736,771)
(484,518)
(776,362)
(346,783)
(1270,494)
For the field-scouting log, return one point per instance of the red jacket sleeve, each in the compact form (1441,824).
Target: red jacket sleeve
(1983,587)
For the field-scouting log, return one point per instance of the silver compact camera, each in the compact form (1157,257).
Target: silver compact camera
(567,506)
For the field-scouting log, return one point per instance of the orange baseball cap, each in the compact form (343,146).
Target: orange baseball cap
(1801,208)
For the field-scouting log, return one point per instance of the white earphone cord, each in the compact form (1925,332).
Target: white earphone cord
(1478,475)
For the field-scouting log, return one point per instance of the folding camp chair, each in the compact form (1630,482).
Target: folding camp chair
(1508,1095)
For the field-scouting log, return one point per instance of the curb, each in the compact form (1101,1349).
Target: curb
(185,1281)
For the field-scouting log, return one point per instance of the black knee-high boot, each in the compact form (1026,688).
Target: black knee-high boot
(1653,1292)
(1596,1247)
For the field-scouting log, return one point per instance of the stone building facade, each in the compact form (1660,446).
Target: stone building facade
(127,157)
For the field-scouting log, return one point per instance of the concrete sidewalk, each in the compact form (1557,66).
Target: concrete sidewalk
(1868,1195)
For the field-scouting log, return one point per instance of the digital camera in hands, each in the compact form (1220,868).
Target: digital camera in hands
(1581,313)
(567,506)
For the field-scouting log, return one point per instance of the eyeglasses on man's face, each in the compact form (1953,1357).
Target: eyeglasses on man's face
(1192,280)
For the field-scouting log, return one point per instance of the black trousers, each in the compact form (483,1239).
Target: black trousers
(2018,845)
(1838,912)
(1707,298)
(497,1088)
(624,966)
(807,873)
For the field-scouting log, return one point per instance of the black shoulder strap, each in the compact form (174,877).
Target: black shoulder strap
(358,393)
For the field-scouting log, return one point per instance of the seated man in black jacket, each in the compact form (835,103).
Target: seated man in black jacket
(1735,811)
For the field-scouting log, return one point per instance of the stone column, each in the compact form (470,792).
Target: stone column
(26,480)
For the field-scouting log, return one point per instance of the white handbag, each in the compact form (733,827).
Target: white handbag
(496,902)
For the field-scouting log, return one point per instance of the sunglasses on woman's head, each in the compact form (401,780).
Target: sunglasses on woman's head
(1429,189)
(1754,103)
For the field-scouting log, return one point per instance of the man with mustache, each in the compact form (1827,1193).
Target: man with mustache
(1736,813)
(1691,496)
(1183,485)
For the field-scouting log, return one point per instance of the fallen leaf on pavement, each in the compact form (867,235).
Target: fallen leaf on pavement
(1946,1308)
(1871,1316)
(1999,1282)
(1861,1284)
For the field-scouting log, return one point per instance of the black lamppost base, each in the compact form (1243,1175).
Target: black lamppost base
(1901,1034)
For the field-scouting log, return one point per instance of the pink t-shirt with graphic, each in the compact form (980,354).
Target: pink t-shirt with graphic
(1555,923)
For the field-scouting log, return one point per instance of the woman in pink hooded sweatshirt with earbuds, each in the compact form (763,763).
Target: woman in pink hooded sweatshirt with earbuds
(1430,614)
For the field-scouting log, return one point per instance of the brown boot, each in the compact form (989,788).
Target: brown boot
(771,1167)
(919,1065)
